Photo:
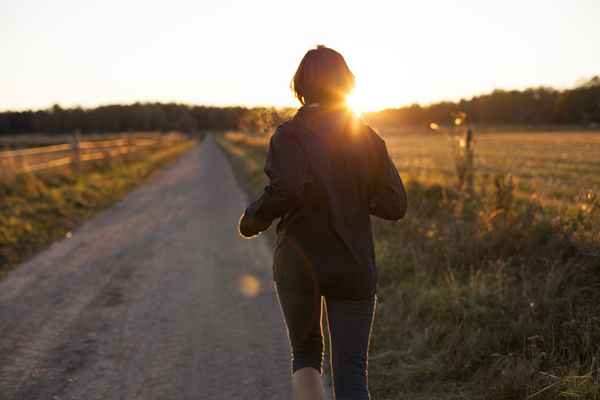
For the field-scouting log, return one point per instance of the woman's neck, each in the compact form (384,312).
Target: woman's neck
(329,105)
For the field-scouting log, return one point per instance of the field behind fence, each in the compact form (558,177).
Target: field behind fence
(79,150)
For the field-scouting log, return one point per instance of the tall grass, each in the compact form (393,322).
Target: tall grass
(482,296)
(500,304)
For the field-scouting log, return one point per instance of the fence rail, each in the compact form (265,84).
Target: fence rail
(78,151)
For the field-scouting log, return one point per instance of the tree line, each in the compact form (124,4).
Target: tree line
(140,117)
(534,106)
(120,118)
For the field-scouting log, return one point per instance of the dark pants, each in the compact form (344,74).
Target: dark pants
(349,322)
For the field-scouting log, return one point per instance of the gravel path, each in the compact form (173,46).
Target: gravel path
(155,298)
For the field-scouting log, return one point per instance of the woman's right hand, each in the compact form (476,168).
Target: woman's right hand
(251,226)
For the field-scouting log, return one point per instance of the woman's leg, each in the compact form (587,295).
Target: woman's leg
(302,314)
(350,323)
(307,384)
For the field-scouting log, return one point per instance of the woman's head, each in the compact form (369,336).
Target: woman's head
(322,77)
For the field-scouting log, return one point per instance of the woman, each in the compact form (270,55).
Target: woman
(328,172)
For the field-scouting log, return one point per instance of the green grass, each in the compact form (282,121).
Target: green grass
(37,209)
(489,296)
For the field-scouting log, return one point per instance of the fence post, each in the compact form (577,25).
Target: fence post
(130,146)
(19,164)
(77,150)
(469,160)
(125,153)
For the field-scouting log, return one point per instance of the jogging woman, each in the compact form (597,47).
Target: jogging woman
(328,172)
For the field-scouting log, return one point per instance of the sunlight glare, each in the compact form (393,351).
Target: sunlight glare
(356,103)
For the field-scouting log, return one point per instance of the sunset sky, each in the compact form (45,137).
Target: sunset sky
(230,52)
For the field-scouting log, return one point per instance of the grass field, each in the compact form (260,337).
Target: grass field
(488,295)
(560,168)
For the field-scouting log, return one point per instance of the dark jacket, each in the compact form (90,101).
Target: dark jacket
(328,172)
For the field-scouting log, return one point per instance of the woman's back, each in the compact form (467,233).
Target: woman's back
(331,224)
(326,160)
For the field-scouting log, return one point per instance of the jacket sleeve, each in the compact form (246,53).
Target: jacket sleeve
(285,166)
(388,198)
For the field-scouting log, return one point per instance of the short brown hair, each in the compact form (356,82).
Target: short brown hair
(322,76)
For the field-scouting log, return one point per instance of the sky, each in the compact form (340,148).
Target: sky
(227,52)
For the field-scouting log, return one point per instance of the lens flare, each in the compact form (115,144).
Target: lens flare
(249,285)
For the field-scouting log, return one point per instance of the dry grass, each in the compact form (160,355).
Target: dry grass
(493,295)
(557,168)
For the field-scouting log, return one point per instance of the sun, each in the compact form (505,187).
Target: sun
(356,103)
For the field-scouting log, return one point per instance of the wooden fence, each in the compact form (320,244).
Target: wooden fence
(13,162)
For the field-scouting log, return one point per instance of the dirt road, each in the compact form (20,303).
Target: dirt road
(154,298)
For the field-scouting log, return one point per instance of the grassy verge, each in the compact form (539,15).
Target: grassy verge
(37,209)
(481,297)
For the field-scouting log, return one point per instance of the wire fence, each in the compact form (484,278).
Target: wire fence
(79,151)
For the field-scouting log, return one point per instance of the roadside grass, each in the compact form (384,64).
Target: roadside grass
(489,296)
(37,209)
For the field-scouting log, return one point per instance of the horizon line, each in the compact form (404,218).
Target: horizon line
(455,99)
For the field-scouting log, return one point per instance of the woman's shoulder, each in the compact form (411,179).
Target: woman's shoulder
(285,127)
(285,131)
(294,124)
(372,133)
